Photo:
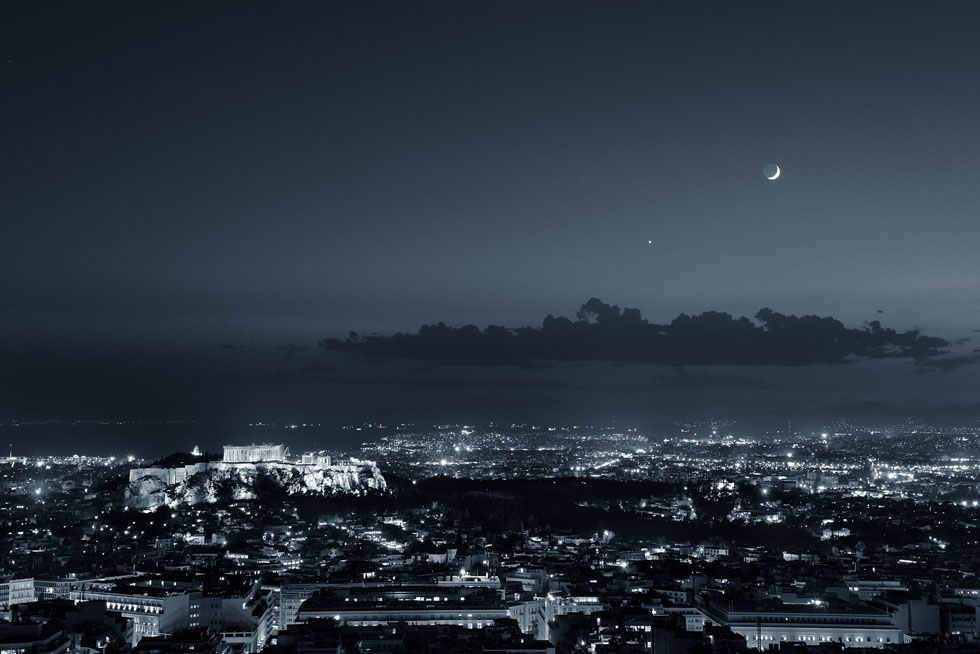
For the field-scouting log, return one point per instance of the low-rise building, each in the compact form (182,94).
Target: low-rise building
(769,623)
(473,608)
(16,591)
(155,606)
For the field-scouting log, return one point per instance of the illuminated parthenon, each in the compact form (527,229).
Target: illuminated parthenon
(255,453)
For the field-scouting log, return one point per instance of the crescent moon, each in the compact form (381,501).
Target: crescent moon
(775,175)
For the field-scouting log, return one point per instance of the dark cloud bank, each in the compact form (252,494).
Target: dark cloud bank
(603,332)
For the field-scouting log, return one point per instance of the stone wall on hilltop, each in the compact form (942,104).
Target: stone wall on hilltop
(199,483)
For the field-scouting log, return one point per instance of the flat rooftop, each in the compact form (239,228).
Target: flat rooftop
(825,608)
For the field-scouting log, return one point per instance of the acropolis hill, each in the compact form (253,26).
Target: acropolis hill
(193,479)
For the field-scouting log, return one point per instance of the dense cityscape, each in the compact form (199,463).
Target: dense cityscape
(516,538)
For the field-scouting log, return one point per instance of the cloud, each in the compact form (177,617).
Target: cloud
(603,332)
(289,349)
(318,367)
(235,350)
(292,349)
(681,379)
(945,364)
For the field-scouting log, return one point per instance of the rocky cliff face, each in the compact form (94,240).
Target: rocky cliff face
(244,481)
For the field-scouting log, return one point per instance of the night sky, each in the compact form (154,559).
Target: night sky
(187,189)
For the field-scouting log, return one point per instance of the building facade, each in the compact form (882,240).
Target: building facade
(415,605)
(155,607)
(16,591)
(766,625)
(255,453)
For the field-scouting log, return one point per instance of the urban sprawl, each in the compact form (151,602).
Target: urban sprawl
(502,539)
